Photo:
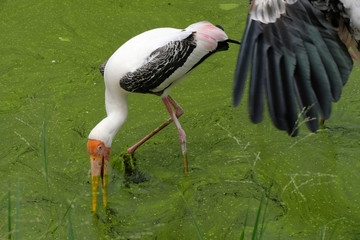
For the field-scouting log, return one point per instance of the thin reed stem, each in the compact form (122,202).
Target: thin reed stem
(44,150)
(9,214)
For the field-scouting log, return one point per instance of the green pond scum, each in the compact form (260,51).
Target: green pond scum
(245,181)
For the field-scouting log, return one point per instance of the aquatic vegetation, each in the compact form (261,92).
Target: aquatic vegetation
(46,113)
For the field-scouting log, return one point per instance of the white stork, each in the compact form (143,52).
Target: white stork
(297,52)
(151,62)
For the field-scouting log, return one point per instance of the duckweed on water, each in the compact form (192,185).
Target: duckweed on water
(51,51)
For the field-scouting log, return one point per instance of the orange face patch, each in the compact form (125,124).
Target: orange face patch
(96,148)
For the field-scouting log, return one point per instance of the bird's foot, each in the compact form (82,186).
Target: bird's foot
(131,150)
(129,163)
(131,173)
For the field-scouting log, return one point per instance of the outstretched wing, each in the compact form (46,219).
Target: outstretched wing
(296,61)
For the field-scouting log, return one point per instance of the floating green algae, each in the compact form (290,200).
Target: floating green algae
(51,52)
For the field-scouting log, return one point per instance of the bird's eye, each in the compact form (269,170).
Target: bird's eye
(100,148)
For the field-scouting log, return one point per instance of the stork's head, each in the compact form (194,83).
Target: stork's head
(99,157)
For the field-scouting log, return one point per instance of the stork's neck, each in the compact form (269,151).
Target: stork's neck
(117,111)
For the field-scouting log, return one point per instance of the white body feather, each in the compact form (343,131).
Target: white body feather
(352,8)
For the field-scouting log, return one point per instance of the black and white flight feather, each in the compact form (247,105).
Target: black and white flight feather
(297,54)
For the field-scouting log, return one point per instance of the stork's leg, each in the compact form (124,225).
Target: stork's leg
(132,149)
(182,136)
(178,112)
(353,55)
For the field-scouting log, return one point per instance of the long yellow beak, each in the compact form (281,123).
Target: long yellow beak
(99,158)
(99,170)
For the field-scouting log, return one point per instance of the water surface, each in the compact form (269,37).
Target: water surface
(51,51)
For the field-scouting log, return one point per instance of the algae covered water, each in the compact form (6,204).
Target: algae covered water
(52,95)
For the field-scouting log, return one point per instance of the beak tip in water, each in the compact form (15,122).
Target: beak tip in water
(95,190)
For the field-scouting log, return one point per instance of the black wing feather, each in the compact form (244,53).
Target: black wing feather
(252,31)
(257,79)
(275,92)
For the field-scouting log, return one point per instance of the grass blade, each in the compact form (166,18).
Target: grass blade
(262,230)
(69,227)
(45,163)
(54,227)
(192,216)
(17,214)
(9,215)
(256,225)
(242,236)
(44,150)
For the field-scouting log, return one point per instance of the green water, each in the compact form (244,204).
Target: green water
(52,96)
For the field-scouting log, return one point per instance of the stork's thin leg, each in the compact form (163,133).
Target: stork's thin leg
(178,112)
(353,55)
(182,135)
